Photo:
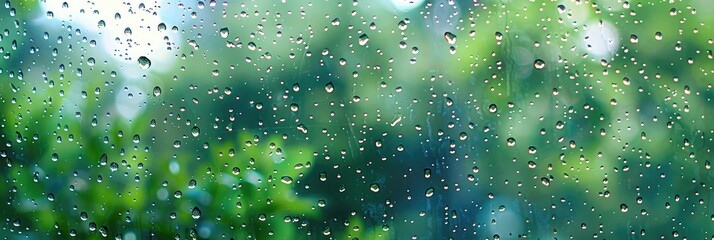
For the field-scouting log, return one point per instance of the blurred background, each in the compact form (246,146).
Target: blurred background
(356,119)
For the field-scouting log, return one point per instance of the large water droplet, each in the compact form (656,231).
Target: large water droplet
(363,39)
(144,62)
(539,64)
(196,213)
(450,38)
(157,91)
(374,187)
(224,32)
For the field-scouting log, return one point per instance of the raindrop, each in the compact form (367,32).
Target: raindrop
(374,187)
(402,25)
(450,38)
(224,32)
(539,64)
(162,27)
(623,208)
(196,213)
(363,39)
(429,192)
(195,131)
(157,91)
(634,39)
(492,108)
(561,9)
(511,142)
(144,62)
(286,179)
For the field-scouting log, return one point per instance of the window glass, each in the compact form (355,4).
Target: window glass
(394,119)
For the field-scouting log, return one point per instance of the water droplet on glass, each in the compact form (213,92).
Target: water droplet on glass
(162,27)
(196,213)
(144,62)
(623,208)
(224,32)
(634,39)
(492,108)
(511,142)
(402,25)
(450,38)
(157,91)
(329,87)
(561,9)
(539,64)
(103,159)
(195,131)
(363,39)
(374,187)
(286,179)
(429,192)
